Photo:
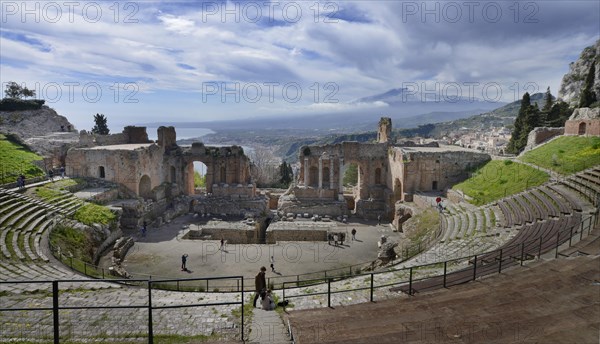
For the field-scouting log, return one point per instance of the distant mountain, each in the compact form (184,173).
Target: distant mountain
(403,97)
(406,110)
(502,116)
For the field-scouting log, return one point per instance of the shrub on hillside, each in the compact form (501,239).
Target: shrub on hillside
(15,104)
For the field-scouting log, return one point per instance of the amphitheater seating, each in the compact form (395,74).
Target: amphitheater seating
(551,208)
(534,299)
(23,223)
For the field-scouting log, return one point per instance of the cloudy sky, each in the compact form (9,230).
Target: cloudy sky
(150,61)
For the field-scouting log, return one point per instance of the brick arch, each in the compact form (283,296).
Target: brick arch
(582,128)
(145,187)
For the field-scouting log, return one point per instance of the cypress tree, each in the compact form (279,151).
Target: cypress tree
(515,145)
(588,97)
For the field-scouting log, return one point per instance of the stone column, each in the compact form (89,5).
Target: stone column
(341,180)
(305,171)
(331,182)
(320,172)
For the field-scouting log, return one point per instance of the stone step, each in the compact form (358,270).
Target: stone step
(3,244)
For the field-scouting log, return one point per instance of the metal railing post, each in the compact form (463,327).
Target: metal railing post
(329,292)
(557,240)
(410,281)
(55,321)
(445,270)
(150,330)
(242,327)
(500,264)
(522,252)
(371,287)
(475,268)
(570,235)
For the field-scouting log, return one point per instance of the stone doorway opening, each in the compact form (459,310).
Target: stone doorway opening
(199,172)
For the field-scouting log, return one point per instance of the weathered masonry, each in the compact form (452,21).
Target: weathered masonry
(387,174)
(161,169)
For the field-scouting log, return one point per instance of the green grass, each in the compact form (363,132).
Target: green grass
(93,213)
(72,242)
(426,223)
(16,159)
(567,154)
(46,193)
(500,178)
(61,184)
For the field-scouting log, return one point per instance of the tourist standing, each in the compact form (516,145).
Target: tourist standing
(19,185)
(260,284)
(353,234)
(62,172)
(183,262)
(272,264)
(222,244)
(379,219)
(22,176)
(51,175)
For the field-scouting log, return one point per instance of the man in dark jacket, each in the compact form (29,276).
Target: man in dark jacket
(260,283)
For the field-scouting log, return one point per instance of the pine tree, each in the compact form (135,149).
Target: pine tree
(100,126)
(548,102)
(515,145)
(559,114)
(588,97)
(285,174)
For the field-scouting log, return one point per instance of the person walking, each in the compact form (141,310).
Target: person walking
(272,264)
(260,284)
(353,234)
(379,220)
(183,262)
(62,172)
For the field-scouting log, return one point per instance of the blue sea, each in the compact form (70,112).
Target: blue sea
(182,133)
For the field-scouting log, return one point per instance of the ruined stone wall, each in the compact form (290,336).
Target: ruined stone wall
(166,137)
(130,134)
(274,236)
(123,166)
(384,134)
(592,127)
(541,134)
(429,171)
(225,165)
(220,205)
(237,191)
(320,207)
(231,235)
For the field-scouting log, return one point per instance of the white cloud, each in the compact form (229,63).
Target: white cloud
(174,48)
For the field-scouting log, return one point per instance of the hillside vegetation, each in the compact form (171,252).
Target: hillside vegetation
(16,159)
(498,179)
(566,154)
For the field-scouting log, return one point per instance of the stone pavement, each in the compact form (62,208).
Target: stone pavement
(218,322)
(267,327)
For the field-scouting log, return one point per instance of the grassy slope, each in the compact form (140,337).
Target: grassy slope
(15,159)
(567,154)
(498,179)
